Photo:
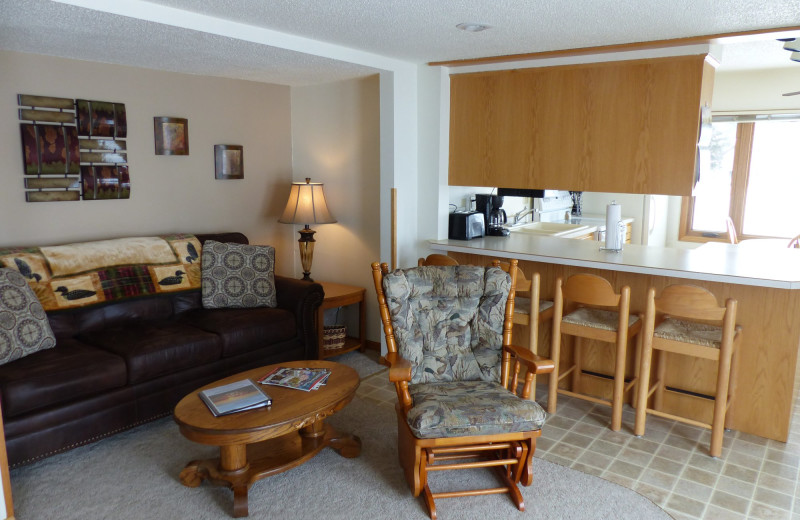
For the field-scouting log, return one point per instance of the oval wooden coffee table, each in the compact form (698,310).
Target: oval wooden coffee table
(258,443)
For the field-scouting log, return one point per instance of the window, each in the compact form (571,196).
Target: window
(750,173)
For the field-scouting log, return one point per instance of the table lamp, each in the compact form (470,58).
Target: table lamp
(306,206)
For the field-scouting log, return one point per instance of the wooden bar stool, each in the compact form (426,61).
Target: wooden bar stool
(436,259)
(529,310)
(687,320)
(586,306)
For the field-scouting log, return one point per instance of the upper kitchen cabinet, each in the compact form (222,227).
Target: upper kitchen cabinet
(625,126)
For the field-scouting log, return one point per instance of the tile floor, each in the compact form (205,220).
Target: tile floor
(754,478)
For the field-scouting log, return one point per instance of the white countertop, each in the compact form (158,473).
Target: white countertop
(714,262)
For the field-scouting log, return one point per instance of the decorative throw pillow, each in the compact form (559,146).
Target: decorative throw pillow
(24,328)
(238,275)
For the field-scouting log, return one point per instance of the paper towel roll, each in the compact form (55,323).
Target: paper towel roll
(613,219)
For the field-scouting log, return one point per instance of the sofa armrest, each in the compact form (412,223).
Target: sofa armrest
(303,300)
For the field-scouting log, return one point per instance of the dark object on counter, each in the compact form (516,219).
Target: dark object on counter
(576,202)
(520,192)
(498,232)
(466,225)
(491,207)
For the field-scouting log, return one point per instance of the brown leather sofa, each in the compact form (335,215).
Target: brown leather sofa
(123,364)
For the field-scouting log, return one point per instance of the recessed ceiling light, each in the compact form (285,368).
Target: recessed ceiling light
(473,27)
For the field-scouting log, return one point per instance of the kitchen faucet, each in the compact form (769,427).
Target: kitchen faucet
(524,212)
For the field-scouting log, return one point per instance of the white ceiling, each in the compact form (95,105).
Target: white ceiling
(150,34)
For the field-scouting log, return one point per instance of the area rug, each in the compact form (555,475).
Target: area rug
(134,475)
(365,363)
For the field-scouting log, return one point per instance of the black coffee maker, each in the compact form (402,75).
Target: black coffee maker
(491,208)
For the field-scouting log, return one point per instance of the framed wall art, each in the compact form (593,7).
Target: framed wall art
(228,161)
(73,149)
(171,135)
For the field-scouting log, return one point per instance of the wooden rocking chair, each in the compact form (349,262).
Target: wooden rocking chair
(448,333)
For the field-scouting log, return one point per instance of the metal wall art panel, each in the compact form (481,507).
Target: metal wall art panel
(228,161)
(73,149)
(26,100)
(46,116)
(102,144)
(103,157)
(52,196)
(50,149)
(66,183)
(105,182)
(171,135)
(102,115)
(124,181)
(120,121)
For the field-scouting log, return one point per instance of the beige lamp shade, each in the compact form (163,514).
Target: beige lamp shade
(306,205)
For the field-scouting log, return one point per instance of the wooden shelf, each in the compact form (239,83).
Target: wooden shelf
(340,295)
(350,344)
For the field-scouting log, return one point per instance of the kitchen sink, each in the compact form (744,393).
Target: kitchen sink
(555,229)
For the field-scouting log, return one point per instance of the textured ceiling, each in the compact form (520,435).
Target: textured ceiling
(424,30)
(411,30)
(43,27)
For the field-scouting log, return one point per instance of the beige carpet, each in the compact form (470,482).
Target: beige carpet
(134,475)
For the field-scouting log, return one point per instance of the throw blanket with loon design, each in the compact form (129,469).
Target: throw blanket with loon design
(92,273)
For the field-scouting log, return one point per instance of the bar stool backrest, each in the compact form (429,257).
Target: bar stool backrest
(437,259)
(589,289)
(523,284)
(689,301)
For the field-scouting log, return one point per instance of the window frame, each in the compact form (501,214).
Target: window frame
(739,179)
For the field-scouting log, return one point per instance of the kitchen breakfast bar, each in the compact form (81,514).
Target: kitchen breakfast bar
(764,280)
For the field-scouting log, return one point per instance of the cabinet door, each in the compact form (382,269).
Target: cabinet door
(628,127)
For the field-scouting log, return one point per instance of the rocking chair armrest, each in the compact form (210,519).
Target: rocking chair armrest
(535,363)
(399,367)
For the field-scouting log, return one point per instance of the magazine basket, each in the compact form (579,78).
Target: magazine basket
(333,336)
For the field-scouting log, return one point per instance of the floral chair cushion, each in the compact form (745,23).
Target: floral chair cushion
(448,320)
(462,408)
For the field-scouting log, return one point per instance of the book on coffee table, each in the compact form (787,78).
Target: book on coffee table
(305,379)
(234,397)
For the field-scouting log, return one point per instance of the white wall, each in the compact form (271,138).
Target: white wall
(336,141)
(430,197)
(168,193)
(759,90)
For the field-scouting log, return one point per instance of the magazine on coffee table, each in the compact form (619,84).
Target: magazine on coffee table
(234,397)
(305,379)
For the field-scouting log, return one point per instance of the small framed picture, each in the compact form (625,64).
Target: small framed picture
(228,161)
(171,135)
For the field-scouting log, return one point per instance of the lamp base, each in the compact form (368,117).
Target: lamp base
(306,243)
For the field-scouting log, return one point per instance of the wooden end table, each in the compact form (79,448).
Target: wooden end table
(258,443)
(339,295)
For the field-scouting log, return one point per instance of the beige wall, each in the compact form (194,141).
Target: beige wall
(168,194)
(336,141)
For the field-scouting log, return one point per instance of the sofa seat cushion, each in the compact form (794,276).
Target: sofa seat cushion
(155,348)
(244,330)
(69,371)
